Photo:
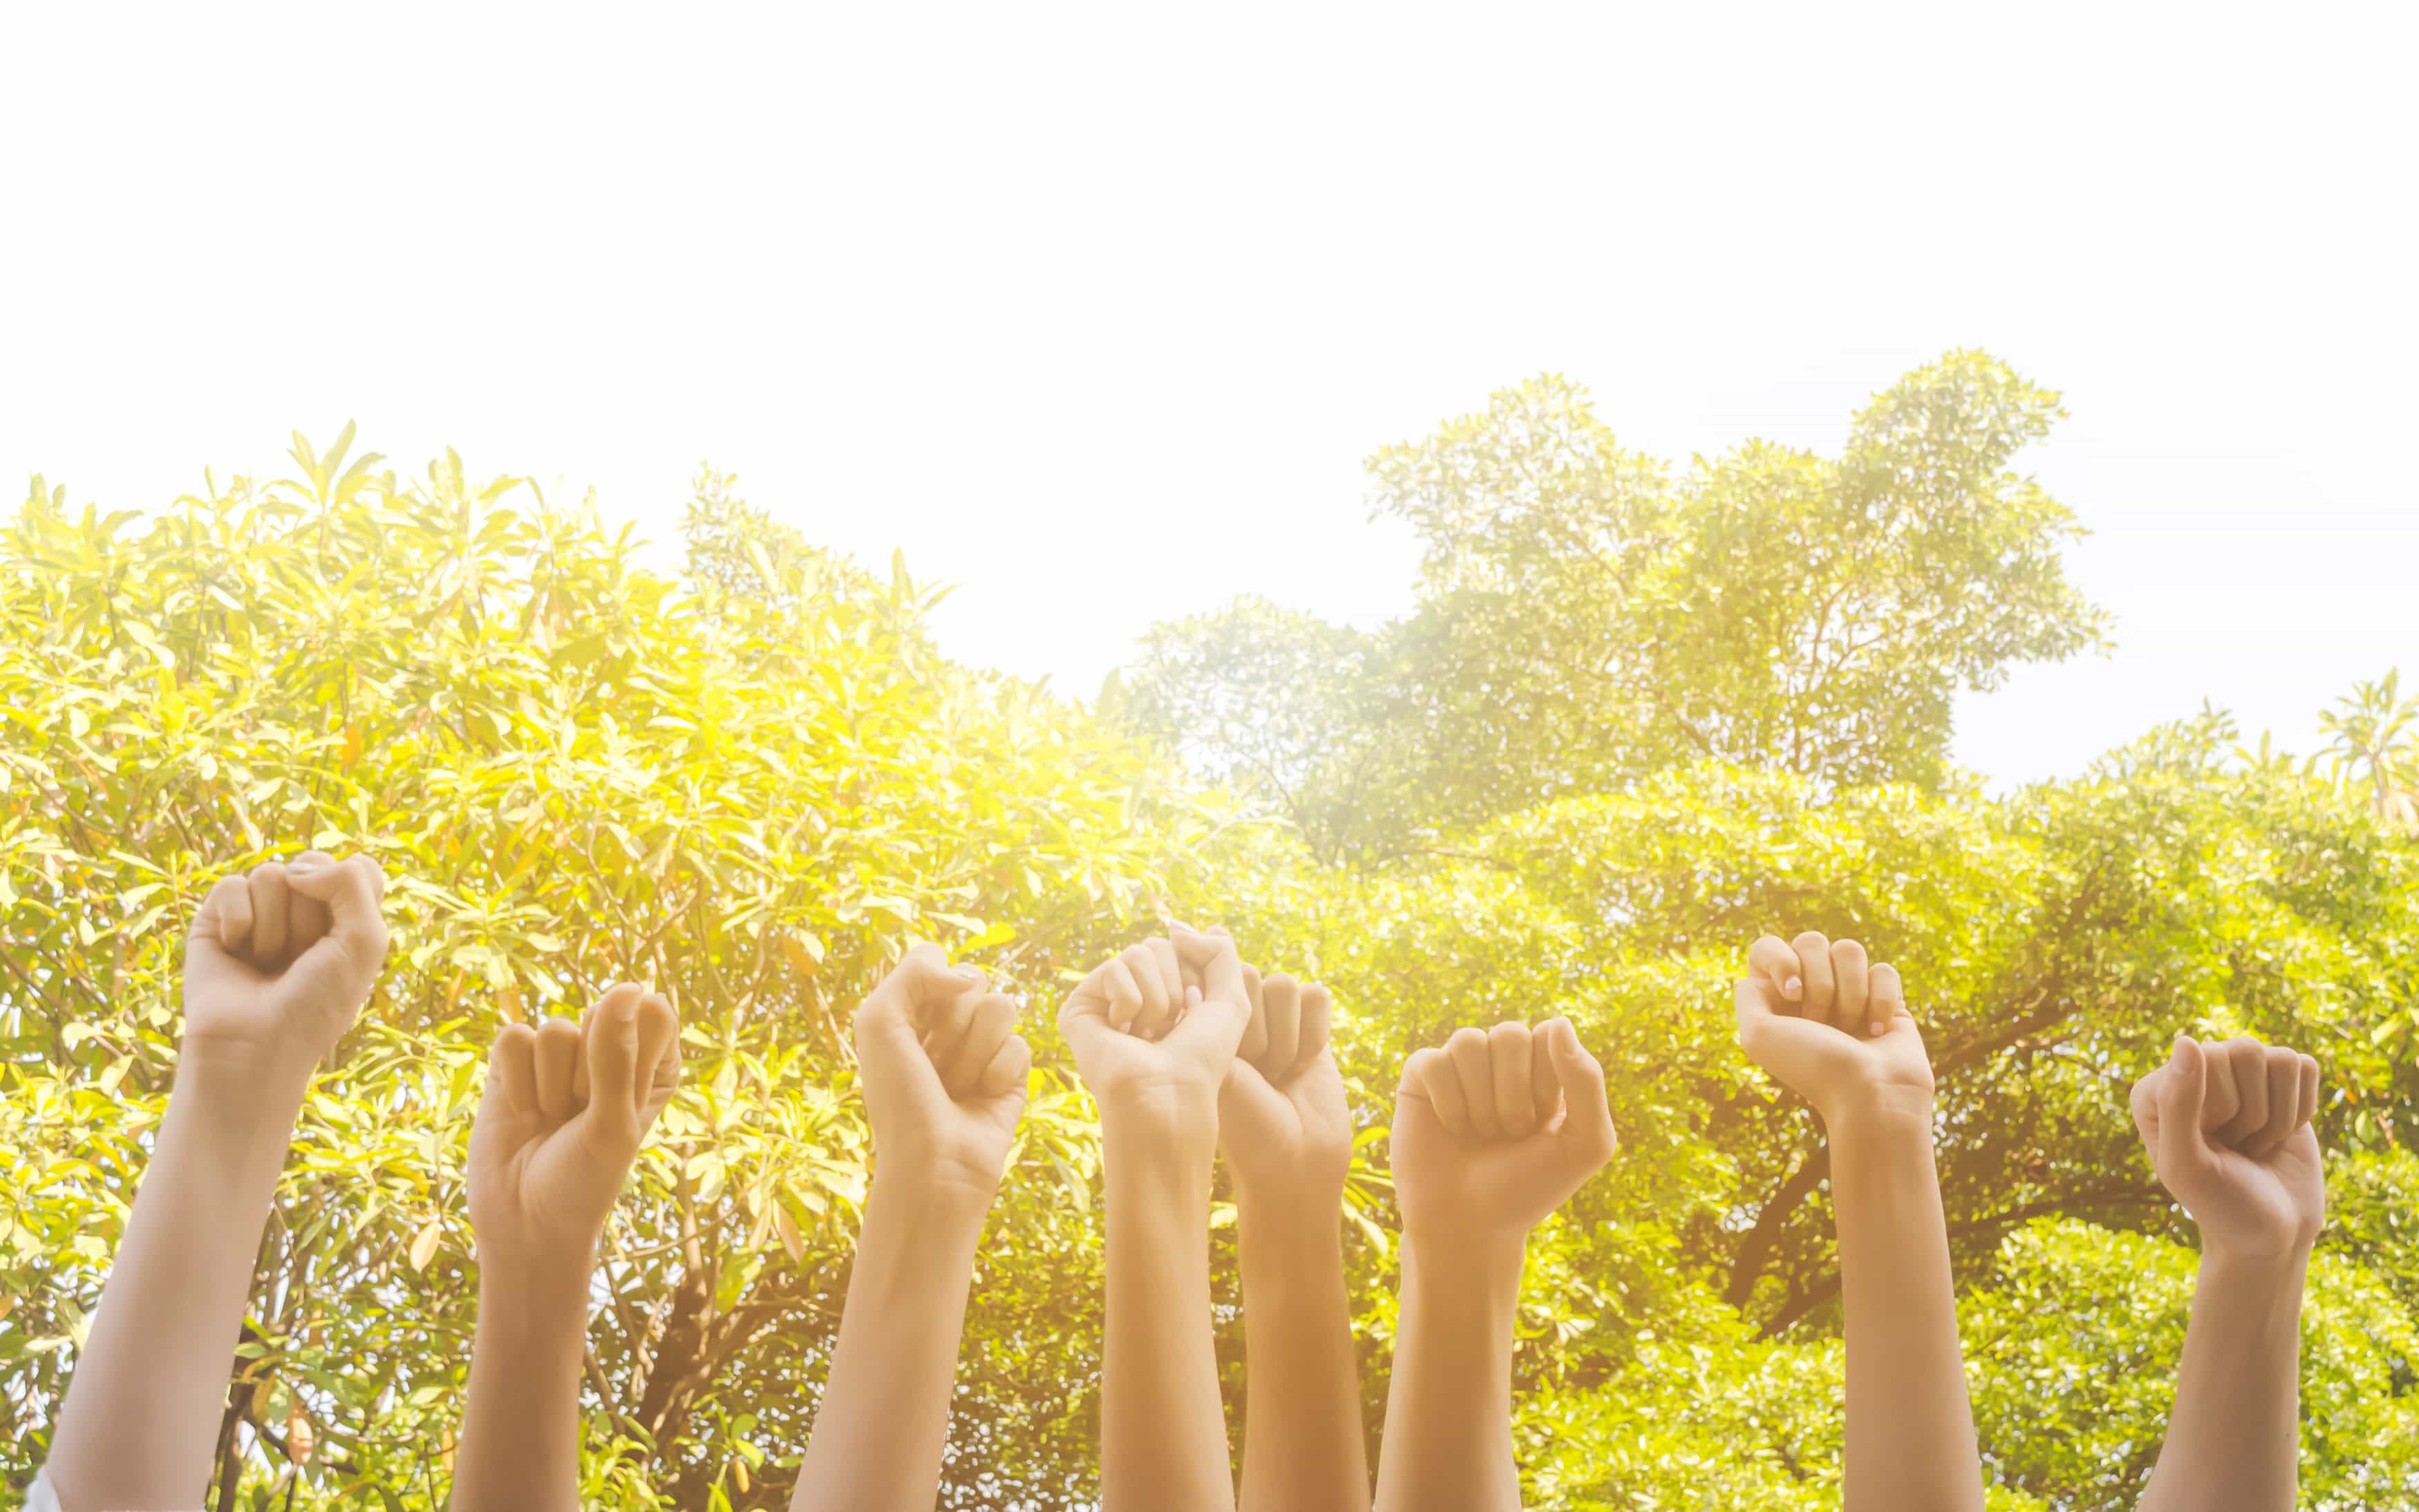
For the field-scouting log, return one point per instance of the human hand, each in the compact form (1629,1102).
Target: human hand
(1498,1129)
(1282,1119)
(1153,1049)
(1814,1015)
(2228,1129)
(565,1108)
(279,961)
(943,1068)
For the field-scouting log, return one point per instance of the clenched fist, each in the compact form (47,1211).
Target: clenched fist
(2228,1129)
(1833,1028)
(1497,1129)
(279,962)
(943,1070)
(1154,1048)
(565,1108)
(1282,1119)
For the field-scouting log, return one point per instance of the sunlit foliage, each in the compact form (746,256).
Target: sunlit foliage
(752,779)
(748,785)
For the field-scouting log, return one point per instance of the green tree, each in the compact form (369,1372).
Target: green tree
(2373,741)
(1498,823)
(750,783)
(1586,615)
(749,786)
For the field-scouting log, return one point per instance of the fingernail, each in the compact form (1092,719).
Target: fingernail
(1876,1030)
(1792,988)
(1192,997)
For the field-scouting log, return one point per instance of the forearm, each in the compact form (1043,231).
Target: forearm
(1163,1427)
(884,1421)
(140,1421)
(2234,1437)
(1910,1431)
(520,1423)
(1303,1444)
(1448,1441)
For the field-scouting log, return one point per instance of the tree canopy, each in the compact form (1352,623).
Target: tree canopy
(1586,614)
(1637,717)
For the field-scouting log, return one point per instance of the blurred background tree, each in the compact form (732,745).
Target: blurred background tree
(2375,744)
(1585,616)
(1636,717)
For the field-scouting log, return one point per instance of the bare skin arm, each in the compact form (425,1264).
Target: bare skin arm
(1287,1138)
(2227,1128)
(1491,1135)
(1820,1018)
(1154,1054)
(276,967)
(943,1075)
(566,1106)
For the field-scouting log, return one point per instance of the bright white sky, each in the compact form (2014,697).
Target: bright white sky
(1096,312)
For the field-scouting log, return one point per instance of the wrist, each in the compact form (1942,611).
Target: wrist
(1288,1234)
(218,1061)
(243,1083)
(535,1272)
(1464,1289)
(1470,1259)
(1889,1115)
(958,1185)
(1145,1170)
(533,1312)
(933,1206)
(238,1126)
(1296,1199)
(1160,1135)
(2256,1265)
(531,1330)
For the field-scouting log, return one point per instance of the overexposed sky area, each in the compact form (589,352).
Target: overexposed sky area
(1097,312)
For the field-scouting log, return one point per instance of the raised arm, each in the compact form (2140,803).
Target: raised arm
(2228,1129)
(565,1108)
(1491,1135)
(944,1073)
(1287,1137)
(1154,1053)
(276,967)
(1818,1017)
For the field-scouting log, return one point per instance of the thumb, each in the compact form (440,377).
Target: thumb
(355,943)
(611,1044)
(1217,1011)
(1211,1026)
(888,1025)
(2179,1104)
(1214,957)
(1245,1094)
(1084,1017)
(1586,1131)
